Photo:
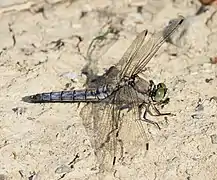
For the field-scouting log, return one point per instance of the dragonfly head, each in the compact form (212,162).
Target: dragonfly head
(159,93)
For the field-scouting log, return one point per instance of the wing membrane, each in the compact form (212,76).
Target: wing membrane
(132,131)
(113,131)
(135,61)
(101,121)
(125,61)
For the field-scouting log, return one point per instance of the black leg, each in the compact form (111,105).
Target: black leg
(147,110)
(145,113)
(158,113)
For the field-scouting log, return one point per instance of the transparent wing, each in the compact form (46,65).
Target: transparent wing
(132,132)
(112,129)
(102,121)
(130,53)
(140,52)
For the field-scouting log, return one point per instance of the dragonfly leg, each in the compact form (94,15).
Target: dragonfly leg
(144,118)
(158,113)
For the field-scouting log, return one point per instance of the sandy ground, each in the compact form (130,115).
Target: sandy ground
(43,45)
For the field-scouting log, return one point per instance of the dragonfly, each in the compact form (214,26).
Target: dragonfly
(112,115)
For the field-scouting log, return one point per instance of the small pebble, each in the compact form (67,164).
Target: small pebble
(214,139)
(63,169)
(214,98)
(3,177)
(196,116)
(213,60)
(207,2)
(199,107)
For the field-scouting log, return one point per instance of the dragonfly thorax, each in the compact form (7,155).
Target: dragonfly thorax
(127,81)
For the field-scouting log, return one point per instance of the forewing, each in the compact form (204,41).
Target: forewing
(130,53)
(137,60)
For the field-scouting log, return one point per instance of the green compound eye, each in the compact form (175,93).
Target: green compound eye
(160,93)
